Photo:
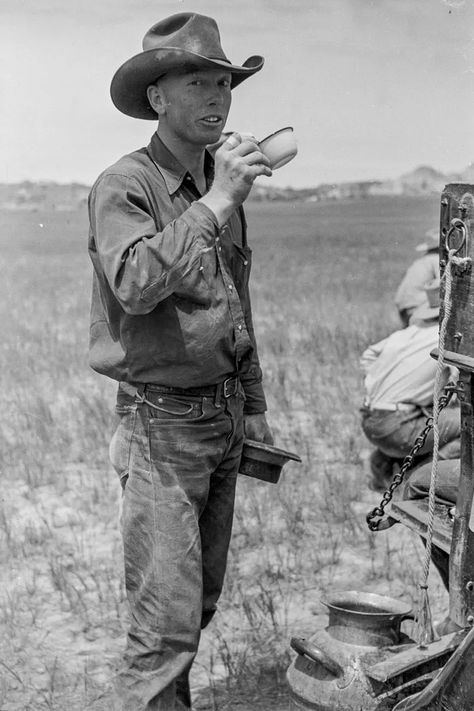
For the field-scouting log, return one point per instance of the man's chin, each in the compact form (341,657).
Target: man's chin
(211,134)
(216,144)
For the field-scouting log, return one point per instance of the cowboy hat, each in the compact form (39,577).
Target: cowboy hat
(185,39)
(431,242)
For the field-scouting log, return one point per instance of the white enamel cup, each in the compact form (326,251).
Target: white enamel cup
(279,147)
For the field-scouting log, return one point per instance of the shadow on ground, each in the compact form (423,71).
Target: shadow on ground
(269,694)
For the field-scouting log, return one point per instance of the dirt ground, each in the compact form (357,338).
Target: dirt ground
(267,698)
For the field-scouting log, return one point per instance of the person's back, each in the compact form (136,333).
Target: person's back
(411,293)
(399,382)
(399,369)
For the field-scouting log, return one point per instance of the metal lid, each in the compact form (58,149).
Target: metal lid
(365,604)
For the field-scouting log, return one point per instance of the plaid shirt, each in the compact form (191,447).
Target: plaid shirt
(170,297)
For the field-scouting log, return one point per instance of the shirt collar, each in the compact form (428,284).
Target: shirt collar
(171,169)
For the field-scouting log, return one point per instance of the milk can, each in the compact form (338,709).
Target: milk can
(329,672)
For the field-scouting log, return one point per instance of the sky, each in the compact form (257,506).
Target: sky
(373,88)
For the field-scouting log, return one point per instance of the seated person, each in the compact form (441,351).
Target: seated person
(411,293)
(417,486)
(399,382)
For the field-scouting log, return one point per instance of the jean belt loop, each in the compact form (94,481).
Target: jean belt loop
(140,394)
(217,396)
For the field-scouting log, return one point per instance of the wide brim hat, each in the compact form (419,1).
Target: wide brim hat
(180,41)
(431,242)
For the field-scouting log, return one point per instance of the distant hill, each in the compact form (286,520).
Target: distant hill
(424,180)
(44,195)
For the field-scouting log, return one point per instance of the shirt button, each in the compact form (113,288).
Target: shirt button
(217,240)
(245,262)
(230,287)
(239,326)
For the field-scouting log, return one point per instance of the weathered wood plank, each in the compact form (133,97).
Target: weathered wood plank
(457,203)
(457,231)
(414,514)
(413,657)
(463,362)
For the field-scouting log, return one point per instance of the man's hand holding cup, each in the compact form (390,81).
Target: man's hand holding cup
(238,162)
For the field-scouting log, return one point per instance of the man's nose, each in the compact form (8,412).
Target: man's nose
(215,96)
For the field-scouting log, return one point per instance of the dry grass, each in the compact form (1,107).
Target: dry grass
(323,280)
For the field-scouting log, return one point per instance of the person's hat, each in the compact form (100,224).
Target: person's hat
(430,310)
(431,242)
(180,40)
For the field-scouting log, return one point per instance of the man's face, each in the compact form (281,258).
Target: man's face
(193,106)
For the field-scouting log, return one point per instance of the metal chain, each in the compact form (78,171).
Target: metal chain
(379,511)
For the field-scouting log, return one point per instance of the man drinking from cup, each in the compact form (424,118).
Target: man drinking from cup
(171,322)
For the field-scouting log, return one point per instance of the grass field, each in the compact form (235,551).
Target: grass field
(324,276)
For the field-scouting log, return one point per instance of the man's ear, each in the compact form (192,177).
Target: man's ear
(156,99)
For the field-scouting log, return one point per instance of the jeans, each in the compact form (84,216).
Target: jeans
(177,457)
(394,433)
(447,482)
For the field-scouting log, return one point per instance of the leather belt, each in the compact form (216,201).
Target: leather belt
(393,406)
(226,389)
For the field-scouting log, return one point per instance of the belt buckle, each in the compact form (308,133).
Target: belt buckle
(229,387)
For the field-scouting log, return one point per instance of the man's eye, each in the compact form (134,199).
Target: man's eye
(225,83)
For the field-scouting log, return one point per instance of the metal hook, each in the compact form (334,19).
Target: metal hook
(460,225)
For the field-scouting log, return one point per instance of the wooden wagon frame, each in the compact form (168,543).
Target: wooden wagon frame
(452,687)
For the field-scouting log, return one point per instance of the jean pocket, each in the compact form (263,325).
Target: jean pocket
(172,407)
(378,426)
(120,444)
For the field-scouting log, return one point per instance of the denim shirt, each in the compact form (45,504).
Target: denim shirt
(170,296)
